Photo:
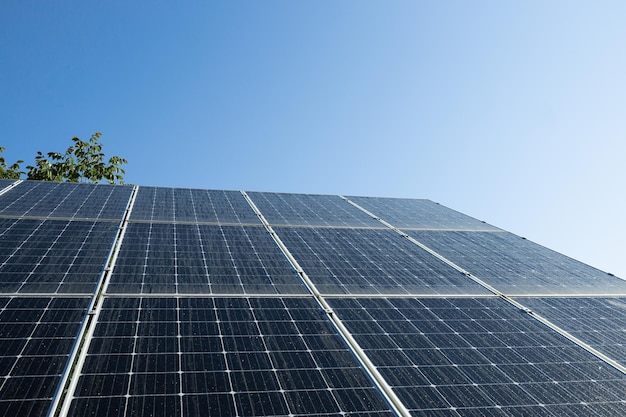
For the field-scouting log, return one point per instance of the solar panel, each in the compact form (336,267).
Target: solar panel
(310,210)
(202,259)
(479,357)
(190,205)
(371,261)
(36,337)
(516,266)
(53,256)
(408,213)
(195,309)
(221,356)
(599,322)
(65,200)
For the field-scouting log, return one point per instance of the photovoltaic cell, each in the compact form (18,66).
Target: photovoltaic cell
(479,357)
(516,266)
(65,200)
(202,259)
(419,214)
(191,205)
(53,256)
(221,356)
(371,261)
(599,322)
(310,210)
(36,337)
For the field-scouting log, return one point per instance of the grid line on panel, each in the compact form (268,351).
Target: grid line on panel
(517,266)
(306,210)
(53,256)
(385,389)
(205,258)
(37,336)
(419,214)
(475,357)
(74,201)
(426,248)
(589,348)
(221,356)
(615,364)
(186,206)
(77,356)
(205,265)
(492,265)
(599,322)
(373,261)
(436,254)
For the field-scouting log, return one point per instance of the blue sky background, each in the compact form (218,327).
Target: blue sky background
(512,112)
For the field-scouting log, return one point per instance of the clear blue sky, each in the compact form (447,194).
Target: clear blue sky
(512,112)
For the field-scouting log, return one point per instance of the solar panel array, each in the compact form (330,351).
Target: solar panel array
(123,301)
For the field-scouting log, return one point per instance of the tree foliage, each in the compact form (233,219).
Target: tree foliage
(11,172)
(82,162)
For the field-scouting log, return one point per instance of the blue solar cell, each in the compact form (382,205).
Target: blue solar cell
(36,337)
(419,214)
(202,259)
(477,359)
(191,205)
(226,353)
(65,200)
(598,322)
(53,256)
(310,210)
(516,266)
(371,261)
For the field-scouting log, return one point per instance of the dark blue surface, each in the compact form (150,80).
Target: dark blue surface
(446,354)
(310,210)
(5,183)
(191,205)
(221,356)
(419,214)
(36,337)
(65,200)
(479,356)
(516,266)
(53,256)
(598,322)
(202,259)
(371,261)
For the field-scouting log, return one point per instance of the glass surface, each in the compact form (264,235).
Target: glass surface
(202,259)
(419,214)
(221,356)
(192,205)
(517,266)
(36,337)
(53,256)
(598,322)
(310,210)
(65,200)
(479,357)
(371,261)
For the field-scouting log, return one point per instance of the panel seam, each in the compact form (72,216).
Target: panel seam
(68,387)
(615,364)
(395,403)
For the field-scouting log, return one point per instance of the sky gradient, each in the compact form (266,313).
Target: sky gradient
(511,112)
